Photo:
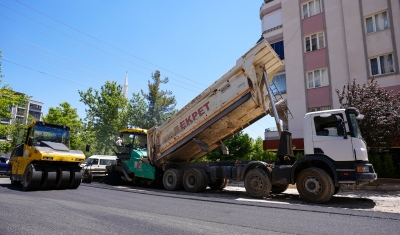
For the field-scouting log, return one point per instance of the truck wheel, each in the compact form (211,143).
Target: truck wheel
(194,181)
(49,178)
(172,179)
(279,188)
(32,178)
(257,183)
(63,178)
(218,184)
(315,185)
(76,176)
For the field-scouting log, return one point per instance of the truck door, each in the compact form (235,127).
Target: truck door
(328,137)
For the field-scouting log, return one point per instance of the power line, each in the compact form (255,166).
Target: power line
(107,43)
(78,61)
(53,75)
(46,73)
(53,52)
(52,59)
(76,40)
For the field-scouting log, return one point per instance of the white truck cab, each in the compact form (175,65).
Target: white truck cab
(334,133)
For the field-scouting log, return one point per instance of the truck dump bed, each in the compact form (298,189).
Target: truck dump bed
(230,104)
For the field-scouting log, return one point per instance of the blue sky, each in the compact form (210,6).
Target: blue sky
(51,49)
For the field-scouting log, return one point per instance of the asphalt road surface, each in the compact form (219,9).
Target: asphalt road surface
(102,209)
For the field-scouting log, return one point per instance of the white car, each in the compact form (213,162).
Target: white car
(96,164)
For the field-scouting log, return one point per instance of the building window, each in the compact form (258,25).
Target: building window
(377,22)
(280,83)
(381,64)
(317,78)
(319,109)
(279,49)
(314,42)
(312,8)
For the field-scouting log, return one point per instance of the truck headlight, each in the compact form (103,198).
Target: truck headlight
(362,169)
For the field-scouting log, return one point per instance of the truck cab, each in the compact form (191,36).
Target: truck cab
(334,133)
(132,155)
(334,137)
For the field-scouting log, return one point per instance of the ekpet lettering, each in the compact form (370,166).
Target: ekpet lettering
(191,118)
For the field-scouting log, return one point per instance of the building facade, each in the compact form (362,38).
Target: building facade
(325,45)
(21,113)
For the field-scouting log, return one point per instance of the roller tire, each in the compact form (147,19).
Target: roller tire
(279,188)
(172,179)
(76,178)
(49,178)
(194,180)
(63,178)
(257,183)
(32,178)
(315,185)
(218,184)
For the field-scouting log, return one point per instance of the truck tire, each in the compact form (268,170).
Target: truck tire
(257,183)
(315,185)
(31,178)
(63,178)
(76,176)
(194,181)
(49,178)
(279,188)
(218,184)
(172,179)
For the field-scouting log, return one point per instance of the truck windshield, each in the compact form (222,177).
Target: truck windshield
(354,125)
(52,134)
(135,140)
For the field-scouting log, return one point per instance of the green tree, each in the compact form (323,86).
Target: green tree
(8,99)
(381,125)
(106,113)
(66,115)
(137,110)
(258,152)
(161,105)
(240,148)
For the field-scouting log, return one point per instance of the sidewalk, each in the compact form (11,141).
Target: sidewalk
(382,184)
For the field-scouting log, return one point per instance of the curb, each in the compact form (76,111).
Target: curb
(381,184)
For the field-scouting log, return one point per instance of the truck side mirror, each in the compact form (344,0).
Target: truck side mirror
(340,127)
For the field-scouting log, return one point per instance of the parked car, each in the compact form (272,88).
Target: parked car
(4,167)
(96,164)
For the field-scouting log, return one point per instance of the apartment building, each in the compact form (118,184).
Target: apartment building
(21,114)
(326,44)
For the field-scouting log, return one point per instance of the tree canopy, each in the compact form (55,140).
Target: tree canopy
(242,148)
(106,114)
(8,99)
(66,115)
(381,125)
(161,103)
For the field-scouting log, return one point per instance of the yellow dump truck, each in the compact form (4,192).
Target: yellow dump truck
(44,161)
